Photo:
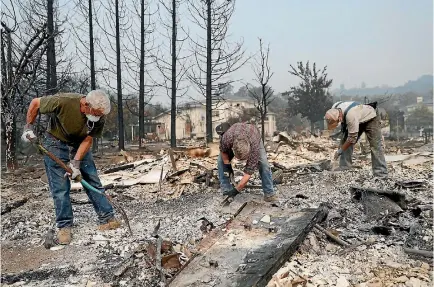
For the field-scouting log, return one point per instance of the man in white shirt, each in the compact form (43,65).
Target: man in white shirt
(356,118)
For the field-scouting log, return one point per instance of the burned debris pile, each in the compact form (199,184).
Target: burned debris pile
(377,232)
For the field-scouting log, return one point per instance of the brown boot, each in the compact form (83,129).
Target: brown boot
(64,235)
(112,223)
(272,198)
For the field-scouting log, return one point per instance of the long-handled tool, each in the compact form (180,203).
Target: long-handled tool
(83,182)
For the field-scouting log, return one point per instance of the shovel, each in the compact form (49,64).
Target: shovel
(83,182)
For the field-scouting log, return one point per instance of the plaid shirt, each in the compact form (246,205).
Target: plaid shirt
(248,131)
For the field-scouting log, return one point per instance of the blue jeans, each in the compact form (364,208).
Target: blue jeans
(60,185)
(372,129)
(264,172)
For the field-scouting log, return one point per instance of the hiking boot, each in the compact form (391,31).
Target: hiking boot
(112,223)
(64,235)
(272,198)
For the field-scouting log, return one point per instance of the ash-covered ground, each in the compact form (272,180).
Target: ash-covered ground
(376,256)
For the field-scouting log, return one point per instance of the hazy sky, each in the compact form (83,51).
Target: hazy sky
(376,42)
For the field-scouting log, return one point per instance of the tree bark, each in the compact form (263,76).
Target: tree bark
(51,51)
(209,131)
(92,64)
(119,81)
(312,127)
(173,107)
(11,159)
(142,74)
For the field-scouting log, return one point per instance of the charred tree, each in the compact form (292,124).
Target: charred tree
(92,63)
(119,81)
(142,74)
(21,59)
(214,57)
(173,72)
(51,51)
(264,95)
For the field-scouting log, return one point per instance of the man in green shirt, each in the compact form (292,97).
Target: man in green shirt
(74,121)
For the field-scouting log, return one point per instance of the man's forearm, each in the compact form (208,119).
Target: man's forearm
(346,145)
(32,112)
(243,182)
(83,148)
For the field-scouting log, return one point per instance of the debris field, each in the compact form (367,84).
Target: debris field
(374,232)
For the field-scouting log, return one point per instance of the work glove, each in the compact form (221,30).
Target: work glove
(338,153)
(232,192)
(28,131)
(75,167)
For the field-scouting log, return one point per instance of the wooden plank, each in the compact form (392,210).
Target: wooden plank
(249,256)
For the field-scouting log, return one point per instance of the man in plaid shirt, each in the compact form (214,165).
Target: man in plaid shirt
(243,141)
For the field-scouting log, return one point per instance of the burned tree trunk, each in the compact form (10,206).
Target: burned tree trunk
(92,64)
(208,113)
(174,58)
(142,74)
(119,81)
(51,51)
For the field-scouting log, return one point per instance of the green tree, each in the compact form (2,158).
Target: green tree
(421,116)
(310,98)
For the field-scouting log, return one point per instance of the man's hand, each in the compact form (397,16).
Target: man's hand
(75,167)
(337,154)
(28,133)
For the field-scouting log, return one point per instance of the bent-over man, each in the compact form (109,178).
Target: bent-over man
(356,118)
(74,121)
(244,142)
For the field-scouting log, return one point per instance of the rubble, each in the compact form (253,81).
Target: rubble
(181,198)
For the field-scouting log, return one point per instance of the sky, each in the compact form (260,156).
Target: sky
(377,42)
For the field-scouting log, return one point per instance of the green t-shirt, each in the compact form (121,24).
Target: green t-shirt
(67,122)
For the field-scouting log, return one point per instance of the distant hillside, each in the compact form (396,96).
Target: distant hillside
(422,85)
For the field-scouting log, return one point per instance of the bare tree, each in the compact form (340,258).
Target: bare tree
(126,62)
(264,95)
(172,73)
(51,50)
(214,57)
(21,56)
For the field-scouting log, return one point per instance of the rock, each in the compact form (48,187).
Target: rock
(342,282)
(206,279)
(425,266)
(392,264)
(313,241)
(57,247)
(254,222)
(374,282)
(413,282)
(90,284)
(361,247)
(99,237)
(140,255)
(401,279)
(266,219)
(330,247)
